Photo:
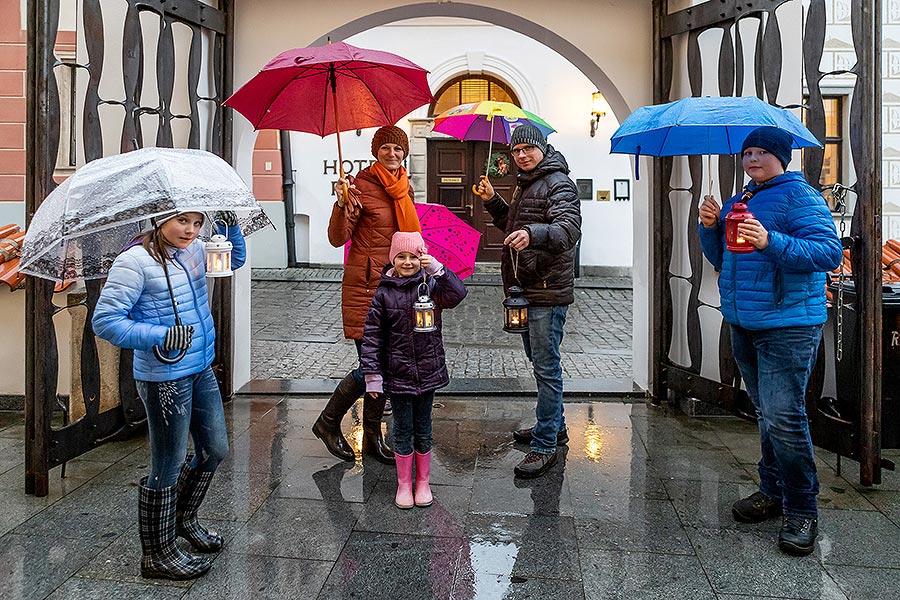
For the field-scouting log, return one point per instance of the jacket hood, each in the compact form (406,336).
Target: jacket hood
(553,161)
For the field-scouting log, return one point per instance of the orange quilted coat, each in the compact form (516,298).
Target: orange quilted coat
(371,229)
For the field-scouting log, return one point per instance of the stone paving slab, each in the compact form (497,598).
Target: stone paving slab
(637,507)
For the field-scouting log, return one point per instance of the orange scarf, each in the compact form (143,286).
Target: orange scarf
(397,187)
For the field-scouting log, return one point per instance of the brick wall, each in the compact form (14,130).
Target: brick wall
(267,166)
(12,99)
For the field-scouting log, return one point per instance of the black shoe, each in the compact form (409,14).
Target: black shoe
(797,535)
(755,508)
(334,440)
(534,464)
(523,436)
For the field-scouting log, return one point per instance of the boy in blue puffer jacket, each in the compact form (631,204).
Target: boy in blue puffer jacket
(409,365)
(135,311)
(774,300)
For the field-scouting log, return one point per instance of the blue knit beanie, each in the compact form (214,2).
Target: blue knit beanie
(528,134)
(771,139)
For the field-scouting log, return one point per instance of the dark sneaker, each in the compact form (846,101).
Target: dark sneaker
(756,508)
(798,535)
(523,436)
(388,409)
(535,464)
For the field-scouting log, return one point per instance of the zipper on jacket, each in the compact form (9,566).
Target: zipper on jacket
(194,296)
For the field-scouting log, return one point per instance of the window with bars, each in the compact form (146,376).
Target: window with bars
(471,88)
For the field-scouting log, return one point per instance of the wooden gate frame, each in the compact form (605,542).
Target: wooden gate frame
(865,131)
(46,447)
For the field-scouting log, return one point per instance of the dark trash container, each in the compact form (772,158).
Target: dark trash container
(848,368)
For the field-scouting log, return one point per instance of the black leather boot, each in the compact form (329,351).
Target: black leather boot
(192,487)
(161,556)
(373,441)
(328,426)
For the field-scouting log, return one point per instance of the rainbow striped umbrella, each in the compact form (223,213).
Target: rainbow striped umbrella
(487,121)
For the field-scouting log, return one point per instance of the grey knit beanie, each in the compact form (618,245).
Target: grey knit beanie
(528,134)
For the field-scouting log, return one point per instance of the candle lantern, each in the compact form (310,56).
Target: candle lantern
(734,241)
(423,309)
(218,257)
(515,309)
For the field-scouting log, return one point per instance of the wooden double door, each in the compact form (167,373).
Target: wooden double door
(453,167)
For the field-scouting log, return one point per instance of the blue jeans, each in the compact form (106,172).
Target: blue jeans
(175,408)
(412,422)
(545,334)
(775,365)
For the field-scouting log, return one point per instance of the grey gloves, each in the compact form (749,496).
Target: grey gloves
(178,337)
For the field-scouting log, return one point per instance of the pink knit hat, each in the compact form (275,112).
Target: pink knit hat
(407,241)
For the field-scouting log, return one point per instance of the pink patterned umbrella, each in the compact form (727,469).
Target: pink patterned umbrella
(450,240)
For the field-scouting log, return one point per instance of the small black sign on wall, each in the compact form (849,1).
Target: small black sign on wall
(585,189)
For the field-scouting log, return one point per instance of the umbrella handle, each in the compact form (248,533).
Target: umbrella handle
(168,360)
(345,193)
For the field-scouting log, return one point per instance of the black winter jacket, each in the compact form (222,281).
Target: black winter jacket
(545,203)
(409,362)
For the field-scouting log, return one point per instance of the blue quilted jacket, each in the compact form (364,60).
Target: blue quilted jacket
(135,311)
(784,284)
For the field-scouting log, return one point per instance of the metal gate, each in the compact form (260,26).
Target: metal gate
(209,50)
(677,52)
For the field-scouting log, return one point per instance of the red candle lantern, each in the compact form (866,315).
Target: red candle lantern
(734,241)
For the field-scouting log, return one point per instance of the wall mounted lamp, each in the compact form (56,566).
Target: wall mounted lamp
(598,109)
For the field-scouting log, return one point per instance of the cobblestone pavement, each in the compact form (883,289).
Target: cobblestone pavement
(296,329)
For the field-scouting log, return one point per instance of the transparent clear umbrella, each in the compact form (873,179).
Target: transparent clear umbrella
(82,226)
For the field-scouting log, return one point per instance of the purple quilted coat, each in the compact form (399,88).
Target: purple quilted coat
(408,362)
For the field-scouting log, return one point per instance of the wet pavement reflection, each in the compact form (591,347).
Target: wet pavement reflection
(637,507)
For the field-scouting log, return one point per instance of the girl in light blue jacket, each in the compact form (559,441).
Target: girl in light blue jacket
(135,311)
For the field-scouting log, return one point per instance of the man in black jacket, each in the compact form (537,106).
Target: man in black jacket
(542,223)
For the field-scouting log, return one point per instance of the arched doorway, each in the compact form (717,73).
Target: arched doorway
(454,164)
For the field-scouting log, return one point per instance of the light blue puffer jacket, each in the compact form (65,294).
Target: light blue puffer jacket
(135,311)
(784,284)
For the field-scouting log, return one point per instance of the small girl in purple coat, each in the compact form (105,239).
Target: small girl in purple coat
(408,365)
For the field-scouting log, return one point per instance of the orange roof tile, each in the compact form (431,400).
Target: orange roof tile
(11,237)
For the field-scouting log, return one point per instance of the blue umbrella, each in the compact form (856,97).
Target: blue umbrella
(703,126)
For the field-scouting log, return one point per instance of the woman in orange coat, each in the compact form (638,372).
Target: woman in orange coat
(379,203)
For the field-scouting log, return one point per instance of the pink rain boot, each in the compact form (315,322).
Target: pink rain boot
(404,498)
(423,473)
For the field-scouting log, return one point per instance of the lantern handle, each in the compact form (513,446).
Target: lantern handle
(515,265)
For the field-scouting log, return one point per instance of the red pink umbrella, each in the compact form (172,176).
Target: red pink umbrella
(333,88)
(450,240)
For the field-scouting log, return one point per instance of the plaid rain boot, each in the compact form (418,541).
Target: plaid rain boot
(161,557)
(192,486)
